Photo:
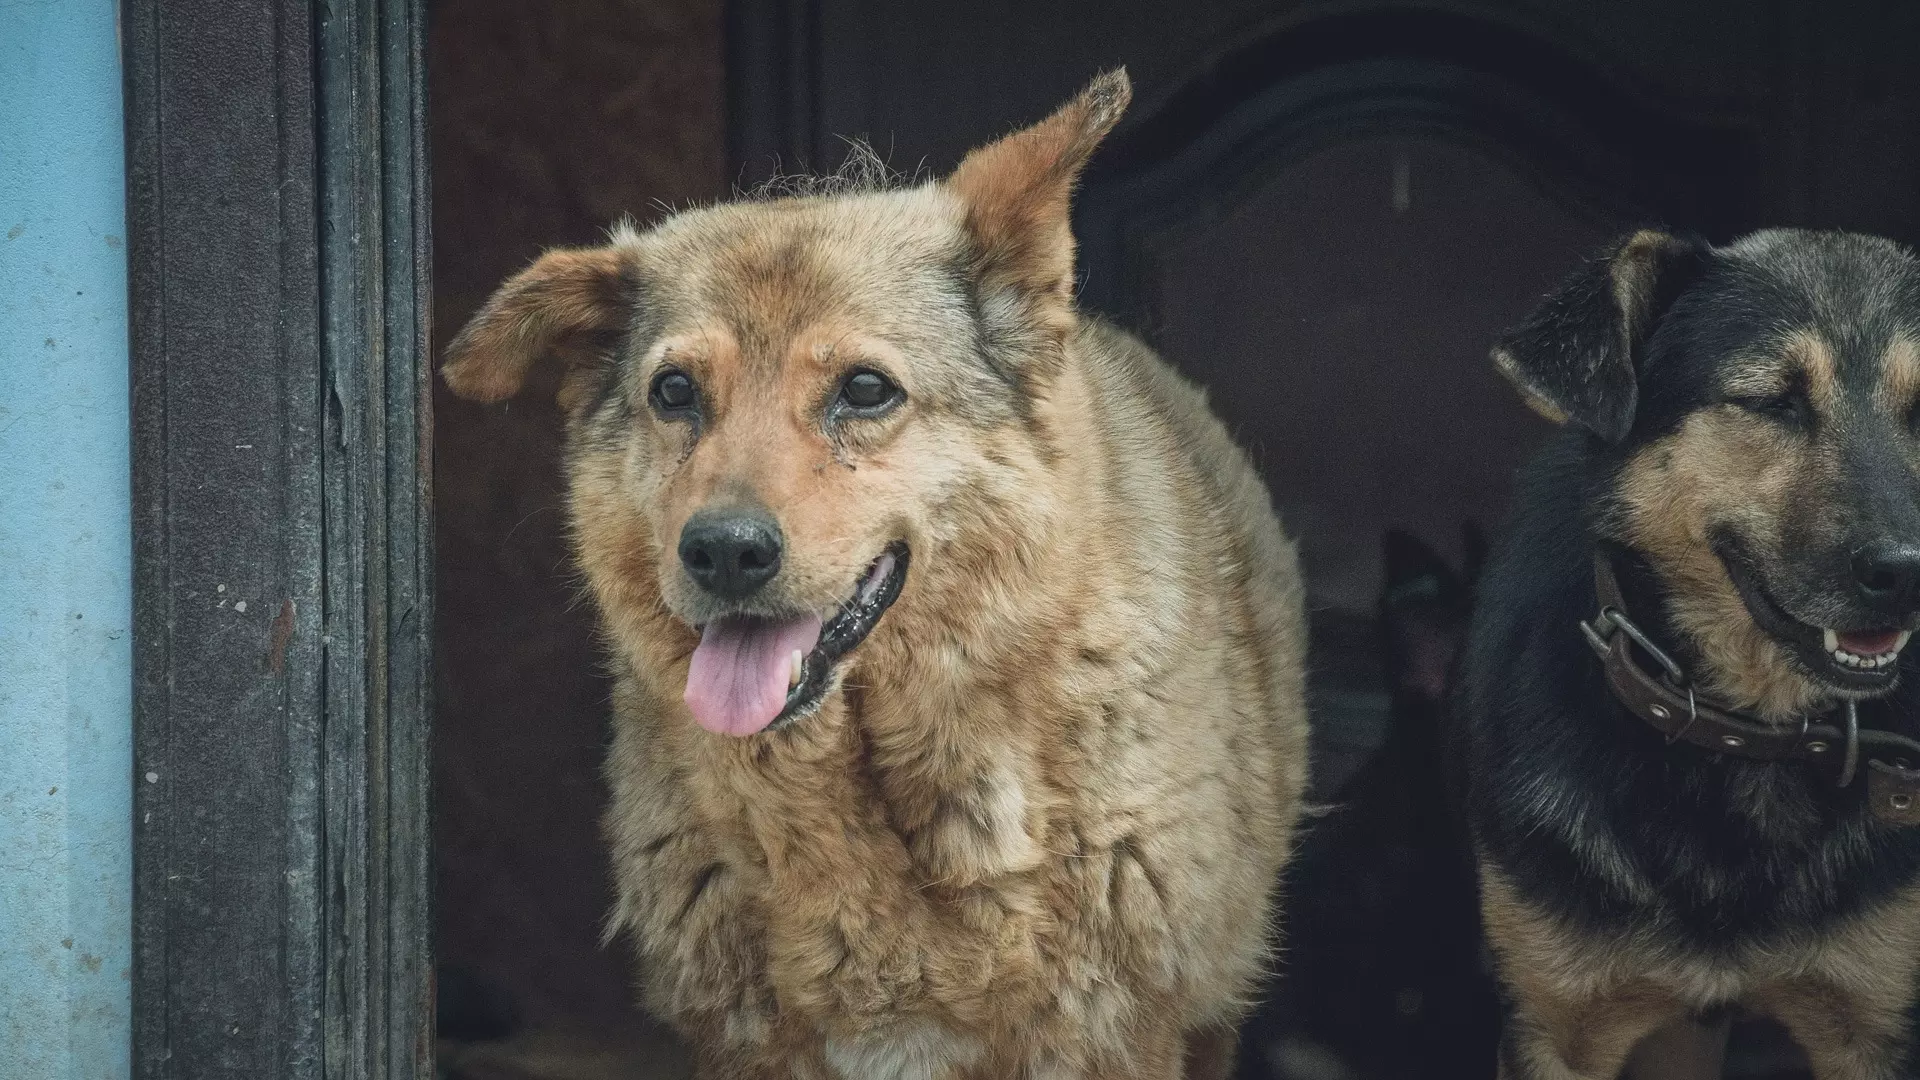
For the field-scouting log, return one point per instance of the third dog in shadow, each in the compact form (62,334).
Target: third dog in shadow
(1381,977)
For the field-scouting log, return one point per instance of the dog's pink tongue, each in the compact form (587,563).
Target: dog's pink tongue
(1869,642)
(737,682)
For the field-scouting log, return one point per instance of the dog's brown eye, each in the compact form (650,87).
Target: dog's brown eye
(1789,408)
(673,391)
(868,391)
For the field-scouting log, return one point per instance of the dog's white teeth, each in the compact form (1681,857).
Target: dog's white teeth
(882,567)
(1866,663)
(796,667)
(876,577)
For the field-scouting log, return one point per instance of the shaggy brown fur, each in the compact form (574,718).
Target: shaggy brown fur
(1032,829)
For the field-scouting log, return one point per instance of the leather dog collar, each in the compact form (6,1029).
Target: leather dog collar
(1667,701)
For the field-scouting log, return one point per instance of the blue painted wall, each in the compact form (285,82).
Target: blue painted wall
(65,549)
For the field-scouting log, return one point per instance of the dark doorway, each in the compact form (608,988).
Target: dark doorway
(1338,311)
(550,121)
(1323,213)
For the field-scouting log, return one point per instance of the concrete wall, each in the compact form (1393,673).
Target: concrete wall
(65,556)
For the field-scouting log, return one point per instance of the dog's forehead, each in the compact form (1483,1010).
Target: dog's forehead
(1838,304)
(772,267)
(1854,290)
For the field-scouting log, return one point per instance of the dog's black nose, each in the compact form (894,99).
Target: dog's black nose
(1887,573)
(731,553)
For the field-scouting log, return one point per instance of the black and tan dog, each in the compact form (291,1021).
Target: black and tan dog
(1685,707)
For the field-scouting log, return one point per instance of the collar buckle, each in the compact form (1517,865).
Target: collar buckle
(1600,632)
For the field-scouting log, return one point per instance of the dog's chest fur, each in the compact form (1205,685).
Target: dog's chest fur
(882,905)
(1868,955)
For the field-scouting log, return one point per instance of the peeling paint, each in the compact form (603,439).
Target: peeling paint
(280,635)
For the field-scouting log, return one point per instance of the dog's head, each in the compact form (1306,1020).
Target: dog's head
(774,404)
(1759,406)
(1423,613)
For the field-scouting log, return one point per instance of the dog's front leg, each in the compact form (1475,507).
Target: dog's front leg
(1688,1050)
(1850,1032)
(1855,998)
(1549,1037)
(1573,1014)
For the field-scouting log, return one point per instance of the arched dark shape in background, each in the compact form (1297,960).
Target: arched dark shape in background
(1378,906)
(1548,114)
(1188,159)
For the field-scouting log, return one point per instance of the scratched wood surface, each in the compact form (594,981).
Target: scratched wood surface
(278,259)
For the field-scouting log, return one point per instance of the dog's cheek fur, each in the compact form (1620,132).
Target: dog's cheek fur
(1720,469)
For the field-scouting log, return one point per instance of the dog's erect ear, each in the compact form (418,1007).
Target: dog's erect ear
(1017,191)
(571,303)
(1576,359)
(1412,567)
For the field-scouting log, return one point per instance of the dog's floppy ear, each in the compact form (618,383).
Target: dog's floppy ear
(569,304)
(1017,192)
(1576,359)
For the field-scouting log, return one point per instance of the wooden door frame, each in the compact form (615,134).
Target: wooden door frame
(279,300)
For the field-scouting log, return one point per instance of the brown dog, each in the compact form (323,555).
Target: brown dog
(960,726)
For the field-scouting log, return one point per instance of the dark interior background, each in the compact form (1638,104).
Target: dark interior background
(1323,211)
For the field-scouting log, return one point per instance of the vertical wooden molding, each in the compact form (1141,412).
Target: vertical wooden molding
(278,266)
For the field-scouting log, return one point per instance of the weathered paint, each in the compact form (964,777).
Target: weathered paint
(65,547)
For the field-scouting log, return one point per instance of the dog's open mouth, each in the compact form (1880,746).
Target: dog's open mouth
(751,673)
(1859,661)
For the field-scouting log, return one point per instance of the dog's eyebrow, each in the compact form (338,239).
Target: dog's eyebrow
(1761,375)
(1899,375)
(1818,364)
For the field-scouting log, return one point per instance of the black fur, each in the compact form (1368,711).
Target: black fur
(1709,851)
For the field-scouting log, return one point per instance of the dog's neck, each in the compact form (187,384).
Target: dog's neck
(1646,604)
